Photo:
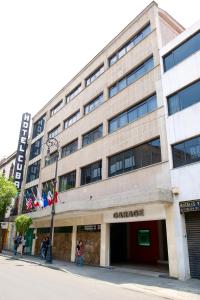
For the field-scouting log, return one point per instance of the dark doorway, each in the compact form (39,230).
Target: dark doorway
(138,243)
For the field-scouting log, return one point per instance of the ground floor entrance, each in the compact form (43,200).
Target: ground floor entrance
(139,243)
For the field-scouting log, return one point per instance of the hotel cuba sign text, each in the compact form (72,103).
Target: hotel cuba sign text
(21,150)
(128,214)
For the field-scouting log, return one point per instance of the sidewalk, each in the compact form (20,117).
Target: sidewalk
(165,287)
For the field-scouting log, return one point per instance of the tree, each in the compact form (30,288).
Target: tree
(22,224)
(8,191)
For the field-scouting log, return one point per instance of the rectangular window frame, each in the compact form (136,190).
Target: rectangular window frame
(177,94)
(56,108)
(67,175)
(135,108)
(88,170)
(94,75)
(90,133)
(130,44)
(133,73)
(54,132)
(140,158)
(68,145)
(71,95)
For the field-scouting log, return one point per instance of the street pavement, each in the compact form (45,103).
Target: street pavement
(21,279)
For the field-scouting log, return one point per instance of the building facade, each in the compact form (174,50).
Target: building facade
(113,167)
(7,166)
(181,89)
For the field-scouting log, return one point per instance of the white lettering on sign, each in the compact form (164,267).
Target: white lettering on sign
(19,167)
(21,150)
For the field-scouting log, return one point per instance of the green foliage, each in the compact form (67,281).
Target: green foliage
(22,224)
(8,191)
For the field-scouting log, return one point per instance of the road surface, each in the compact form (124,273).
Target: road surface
(22,280)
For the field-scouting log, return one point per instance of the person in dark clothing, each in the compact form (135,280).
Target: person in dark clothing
(47,244)
(17,242)
(79,253)
(43,248)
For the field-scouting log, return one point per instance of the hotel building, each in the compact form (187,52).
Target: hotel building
(113,167)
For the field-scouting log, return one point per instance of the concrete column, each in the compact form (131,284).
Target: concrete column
(177,243)
(73,248)
(104,171)
(78,177)
(105,245)
(34,242)
(181,243)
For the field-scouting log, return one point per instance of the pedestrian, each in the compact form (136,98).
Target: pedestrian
(79,253)
(23,245)
(47,242)
(17,242)
(43,248)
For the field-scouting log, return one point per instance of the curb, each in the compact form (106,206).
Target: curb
(34,262)
(168,295)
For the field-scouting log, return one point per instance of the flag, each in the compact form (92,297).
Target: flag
(39,199)
(35,201)
(29,204)
(44,197)
(55,197)
(50,198)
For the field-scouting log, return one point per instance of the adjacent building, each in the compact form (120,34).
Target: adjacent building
(114,183)
(181,89)
(7,166)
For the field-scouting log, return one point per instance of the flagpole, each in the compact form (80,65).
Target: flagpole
(52,142)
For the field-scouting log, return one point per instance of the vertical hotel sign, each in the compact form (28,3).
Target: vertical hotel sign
(21,150)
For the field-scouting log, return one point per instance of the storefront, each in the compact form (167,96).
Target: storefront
(91,237)
(138,237)
(191,209)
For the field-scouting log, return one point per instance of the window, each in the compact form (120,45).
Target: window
(69,148)
(89,228)
(53,133)
(73,94)
(140,156)
(186,152)
(38,126)
(72,119)
(143,236)
(133,113)
(91,173)
(130,44)
(51,158)
(93,104)
(67,181)
(11,170)
(29,194)
(56,108)
(33,171)
(48,186)
(94,75)
(36,148)
(180,53)
(92,136)
(131,77)
(184,98)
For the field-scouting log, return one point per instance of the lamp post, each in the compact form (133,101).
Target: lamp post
(52,142)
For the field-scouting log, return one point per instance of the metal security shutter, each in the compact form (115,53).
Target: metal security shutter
(193,237)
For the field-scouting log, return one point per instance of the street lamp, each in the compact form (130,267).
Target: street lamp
(52,142)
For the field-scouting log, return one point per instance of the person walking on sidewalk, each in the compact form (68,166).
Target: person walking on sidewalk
(79,253)
(17,242)
(43,247)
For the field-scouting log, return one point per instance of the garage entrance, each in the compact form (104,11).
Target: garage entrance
(143,243)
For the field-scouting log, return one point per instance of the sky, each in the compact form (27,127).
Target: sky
(44,43)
